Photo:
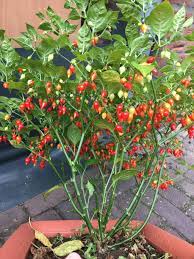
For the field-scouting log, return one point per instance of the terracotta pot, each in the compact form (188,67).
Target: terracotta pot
(17,246)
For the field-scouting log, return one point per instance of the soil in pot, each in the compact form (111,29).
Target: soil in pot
(139,248)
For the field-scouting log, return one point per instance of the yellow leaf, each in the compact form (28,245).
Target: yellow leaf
(42,238)
(68,247)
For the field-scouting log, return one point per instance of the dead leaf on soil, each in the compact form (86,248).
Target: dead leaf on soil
(68,247)
(40,236)
(43,239)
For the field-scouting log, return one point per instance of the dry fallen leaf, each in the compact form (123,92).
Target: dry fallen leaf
(40,236)
(68,247)
(43,239)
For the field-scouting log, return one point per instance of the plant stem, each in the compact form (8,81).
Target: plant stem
(66,190)
(138,230)
(104,222)
(135,199)
(113,196)
(73,180)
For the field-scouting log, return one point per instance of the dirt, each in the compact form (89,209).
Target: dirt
(138,248)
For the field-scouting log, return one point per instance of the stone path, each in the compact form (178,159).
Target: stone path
(174,210)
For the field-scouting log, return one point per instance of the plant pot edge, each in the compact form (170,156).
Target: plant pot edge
(17,248)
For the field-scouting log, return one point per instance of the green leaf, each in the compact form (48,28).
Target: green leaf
(138,43)
(70,86)
(110,76)
(96,11)
(61,25)
(119,38)
(145,69)
(67,4)
(47,46)
(45,26)
(21,86)
(25,41)
(161,19)
(179,19)
(31,30)
(15,145)
(99,18)
(186,63)
(84,37)
(54,188)
(129,10)
(63,41)
(112,19)
(40,15)
(2,34)
(190,37)
(188,22)
(90,188)
(106,35)
(50,12)
(131,32)
(4,99)
(103,124)
(115,56)
(167,68)
(124,175)
(74,15)
(97,53)
(68,247)
(190,50)
(111,81)
(82,4)
(74,134)
(91,161)
(2,115)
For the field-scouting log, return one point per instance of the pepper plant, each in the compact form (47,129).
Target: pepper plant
(118,107)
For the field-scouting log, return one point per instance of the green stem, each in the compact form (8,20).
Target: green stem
(79,148)
(138,230)
(104,222)
(82,206)
(100,215)
(136,197)
(73,179)
(139,198)
(66,190)
(113,196)
(63,148)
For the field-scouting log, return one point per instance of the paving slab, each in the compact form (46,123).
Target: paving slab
(176,218)
(65,210)
(190,212)
(48,215)
(12,218)
(36,205)
(188,187)
(176,197)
